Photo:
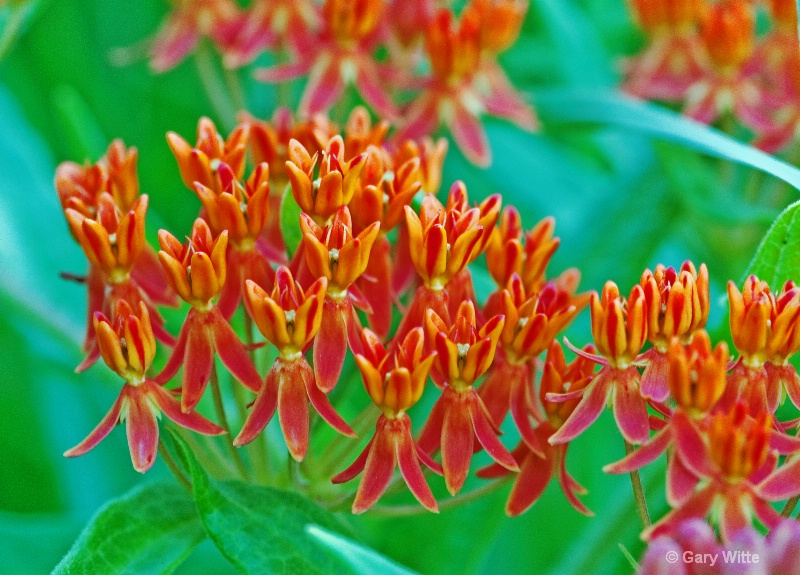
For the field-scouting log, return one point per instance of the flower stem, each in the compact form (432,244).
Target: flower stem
(235,89)
(173,467)
(638,492)
(223,421)
(455,501)
(790,506)
(213,86)
(260,447)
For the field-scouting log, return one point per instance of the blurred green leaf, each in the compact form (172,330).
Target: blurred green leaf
(778,257)
(261,530)
(150,530)
(364,561)
(33,543)
(570,106)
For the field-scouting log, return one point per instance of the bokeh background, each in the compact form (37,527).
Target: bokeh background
(623,201)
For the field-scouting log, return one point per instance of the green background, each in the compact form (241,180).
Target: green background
(622,202)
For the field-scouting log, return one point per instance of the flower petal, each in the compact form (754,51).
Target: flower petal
(263,409)
(102,430)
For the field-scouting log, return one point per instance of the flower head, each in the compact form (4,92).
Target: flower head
(395,382)
(196,269)
(321,190)
(127,345)
(619,325)
(335,253)
(464,353)
(200,163)
(287,316)
(112,240)
(187,24)
(677,302)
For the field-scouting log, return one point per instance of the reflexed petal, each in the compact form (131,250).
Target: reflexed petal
(410,468)
(783,483)
(293,411)
(171,407)
(330,346)
(355,468)
(457,443)
(646,454)
(142,428)
(486,434)
(378,470)
(681,482)
(103,428)
(470,137)
(595,398)
(198,363)
(630,409)
(263,410)
(233,353)
(690,446)
(323,88)
(534,476)
(321,403)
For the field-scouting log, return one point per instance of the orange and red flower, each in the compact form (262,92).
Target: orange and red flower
(289,318)
(537,469)
(340,54)
(243,211)
(336,254)
(674,59)
(200,163)
(196,271)
(465,81)
(677,305)
(127,345)
(464,353)
(531,325)
(764,328)
(735,474)
(189,22)
(394,382)
(619,327)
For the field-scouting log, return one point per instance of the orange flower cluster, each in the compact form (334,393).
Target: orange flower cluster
(376,247)
(344,248)
(706,54)
(715,418)
(449,61)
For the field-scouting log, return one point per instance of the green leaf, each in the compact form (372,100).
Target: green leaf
(290,223)
(150,530)
(777,259)
(261,530)
(570,106)
(364,561)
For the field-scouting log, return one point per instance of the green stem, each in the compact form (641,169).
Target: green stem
(341,446)
(213,86)
(207,452)
(11,29)
(790,506)
(223,421)
(258,448)
(173,467)
(460,499)
(235,89)
(638,492)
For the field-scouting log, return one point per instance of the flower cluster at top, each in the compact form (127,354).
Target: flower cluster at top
(705,54)
(414,63)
